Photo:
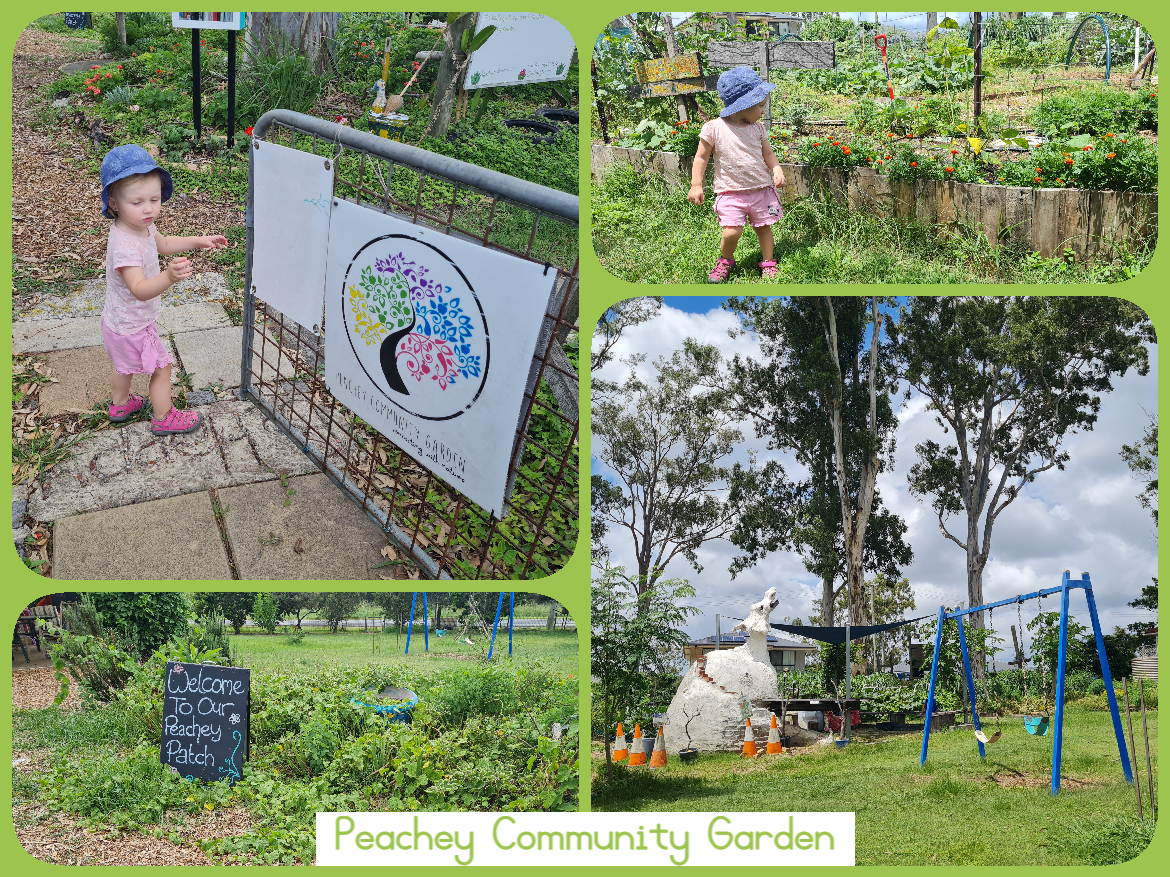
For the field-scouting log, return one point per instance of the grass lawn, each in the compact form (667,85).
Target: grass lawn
(956,811)
(645,231)
(555,650)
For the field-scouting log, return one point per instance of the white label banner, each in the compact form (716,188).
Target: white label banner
(293,190)
(526,47)
(624,840)
(430,339)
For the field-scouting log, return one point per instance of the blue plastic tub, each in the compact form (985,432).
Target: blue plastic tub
(399,712)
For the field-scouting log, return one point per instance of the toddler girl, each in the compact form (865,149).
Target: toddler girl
(747,171)
(133,190)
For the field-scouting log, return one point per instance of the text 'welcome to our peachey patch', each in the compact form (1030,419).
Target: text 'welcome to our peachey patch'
(562,839)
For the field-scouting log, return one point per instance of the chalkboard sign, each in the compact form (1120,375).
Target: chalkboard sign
(76,20)
(205,720)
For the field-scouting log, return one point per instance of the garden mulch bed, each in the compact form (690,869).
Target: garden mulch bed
(35,690)
(56,200)
(63,840)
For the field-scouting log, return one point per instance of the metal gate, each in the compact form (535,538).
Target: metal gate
(283,363)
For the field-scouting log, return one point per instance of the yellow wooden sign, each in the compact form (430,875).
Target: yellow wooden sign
(663,69)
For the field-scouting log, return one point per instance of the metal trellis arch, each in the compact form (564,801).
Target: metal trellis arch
(1108,49)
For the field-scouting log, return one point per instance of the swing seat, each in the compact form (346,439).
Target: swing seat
(983,738)
(1037,725)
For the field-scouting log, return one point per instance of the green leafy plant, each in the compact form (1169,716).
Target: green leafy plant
(264,612)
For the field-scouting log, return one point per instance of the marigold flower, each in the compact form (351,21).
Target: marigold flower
(816,144)
(891,134)
(846,150)
(1068,161)
(836,142)
(1110,135)
(1059,181)
(1110,155)
(913,164)
(950,170)
(1039,170)
(1037,180)
(1124,140)
(887,158)
(1086,148)
(954,152)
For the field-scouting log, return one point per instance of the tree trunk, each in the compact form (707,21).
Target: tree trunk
(551,622)
(450,72)
(301,33)
(827,608)
(672,51)
(931,20)
(120,23)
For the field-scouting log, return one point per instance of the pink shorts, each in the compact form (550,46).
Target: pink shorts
(141,353)
(758,206)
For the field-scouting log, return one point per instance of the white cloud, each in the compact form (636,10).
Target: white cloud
(1082,518)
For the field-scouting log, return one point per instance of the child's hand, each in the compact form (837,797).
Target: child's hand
(179,269)
(211,242)
(695,195)
(778,176)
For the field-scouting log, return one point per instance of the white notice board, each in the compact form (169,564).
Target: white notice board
(525,47)
(210,20)
(430,340)
(292,193)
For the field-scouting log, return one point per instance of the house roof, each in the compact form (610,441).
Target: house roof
(774,642)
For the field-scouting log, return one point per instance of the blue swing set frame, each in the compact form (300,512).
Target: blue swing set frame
(495,625)
(1068,583)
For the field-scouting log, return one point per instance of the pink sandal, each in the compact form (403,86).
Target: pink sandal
(176,422)
(769,270)
(721,270)
(122,413)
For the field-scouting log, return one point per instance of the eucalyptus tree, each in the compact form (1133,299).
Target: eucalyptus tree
(820,391)
(1007,378)
(664,440)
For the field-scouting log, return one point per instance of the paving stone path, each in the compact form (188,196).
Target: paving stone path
(235,499)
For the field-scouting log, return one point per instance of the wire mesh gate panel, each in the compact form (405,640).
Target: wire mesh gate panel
(283,367)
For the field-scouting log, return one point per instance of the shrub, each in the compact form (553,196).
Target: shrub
(276,80)
(491,145)
(1124,162)
(264,612)
(828,153)
(1097,111)
(147,620)
(109,32)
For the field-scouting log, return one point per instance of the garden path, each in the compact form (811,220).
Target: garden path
(235,499)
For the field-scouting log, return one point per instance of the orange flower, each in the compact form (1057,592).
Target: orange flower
(950,170)
(846,150)
(954,152)
(913,164)
(836,142)
(1039,171)
(887,158)
(891,134)
(1059,181)
(1068,161)
(1037,180)
(1110,155)
(1086,148)
(1110,135)
(816,144)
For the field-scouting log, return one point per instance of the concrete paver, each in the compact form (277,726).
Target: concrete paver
(174,538)
(60,333)
(193,317)
(336,538)
(83,378)
(89,298)
(129,464)
(211,356)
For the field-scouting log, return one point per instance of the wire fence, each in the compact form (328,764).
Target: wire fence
(283,368)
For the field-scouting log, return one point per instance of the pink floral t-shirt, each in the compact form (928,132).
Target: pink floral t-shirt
(738,152)
(123,313)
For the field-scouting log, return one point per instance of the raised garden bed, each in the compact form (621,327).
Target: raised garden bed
(1048,221)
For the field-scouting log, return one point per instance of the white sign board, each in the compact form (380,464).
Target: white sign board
(293,191)
(430,340)
(525,47)
(209,20)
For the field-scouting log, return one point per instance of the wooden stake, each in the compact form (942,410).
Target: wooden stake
(1137,783)
(1146,736)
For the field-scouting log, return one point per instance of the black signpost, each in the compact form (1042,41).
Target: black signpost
(205,720)
(78,20)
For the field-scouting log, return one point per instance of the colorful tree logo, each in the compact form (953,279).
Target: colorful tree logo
(430,330)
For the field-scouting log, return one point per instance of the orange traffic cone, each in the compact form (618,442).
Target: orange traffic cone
(775,747)
(637,748)
(620,751)
(749,741)
(658,756)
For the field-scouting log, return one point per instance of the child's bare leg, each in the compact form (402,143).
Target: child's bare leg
(160,392)
(730,240)
(120,393)
(767,242)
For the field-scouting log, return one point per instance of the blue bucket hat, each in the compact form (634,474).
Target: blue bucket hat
(740,88)
(124,161)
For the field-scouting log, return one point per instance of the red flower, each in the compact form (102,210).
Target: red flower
(248,130)
(119,66)
(108,75)
(159,70)
(96,90)
(950,170)
(1068,161)
(913,164)
(836,142)
(415,65)
(1086,149)
(846,150)
(1110,155)
(93,68)
(954,152)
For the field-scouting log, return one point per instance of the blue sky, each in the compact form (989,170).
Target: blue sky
(1084,519)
